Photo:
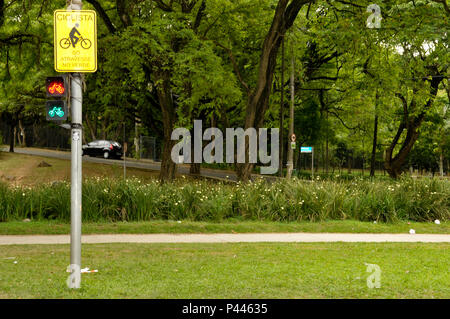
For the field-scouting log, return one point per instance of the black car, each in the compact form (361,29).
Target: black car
(106,149)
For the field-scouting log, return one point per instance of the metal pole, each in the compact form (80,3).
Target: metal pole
(290,163)
(76,178)
(312,163)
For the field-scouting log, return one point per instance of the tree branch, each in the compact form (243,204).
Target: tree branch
(187,6)
(235,66)
(331,78)
(405,106)
(2,12)
(123,13)
(444,3)
(18,37)
(343,123)
(200,15)
(350,3)
(103,15)
(163,6)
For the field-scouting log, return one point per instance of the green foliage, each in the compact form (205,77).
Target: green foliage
(294,200)
(340,66)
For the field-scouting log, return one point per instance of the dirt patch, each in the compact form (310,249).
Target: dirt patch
(18,169)
(44,164)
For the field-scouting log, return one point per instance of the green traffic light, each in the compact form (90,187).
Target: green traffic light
(56,111)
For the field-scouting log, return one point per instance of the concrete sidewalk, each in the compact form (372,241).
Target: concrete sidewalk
(225,238)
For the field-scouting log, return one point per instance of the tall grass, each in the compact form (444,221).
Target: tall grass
(287,200)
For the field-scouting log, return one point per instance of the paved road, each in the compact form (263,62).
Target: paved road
(182,169)
(226,238)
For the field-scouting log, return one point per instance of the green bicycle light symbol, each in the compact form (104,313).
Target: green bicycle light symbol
(56,111)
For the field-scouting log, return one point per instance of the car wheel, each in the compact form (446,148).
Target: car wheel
(106,155)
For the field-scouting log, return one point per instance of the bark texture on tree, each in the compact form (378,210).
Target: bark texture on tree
(168,167)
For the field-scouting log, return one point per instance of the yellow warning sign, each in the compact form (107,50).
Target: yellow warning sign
(75,40)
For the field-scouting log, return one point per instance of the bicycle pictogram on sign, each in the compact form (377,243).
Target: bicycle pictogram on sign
(74,38)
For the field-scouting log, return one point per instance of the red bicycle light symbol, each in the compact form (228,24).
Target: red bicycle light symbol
(56,87)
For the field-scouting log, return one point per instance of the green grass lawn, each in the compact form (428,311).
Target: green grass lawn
(22,169)
(164,226)
(252,270)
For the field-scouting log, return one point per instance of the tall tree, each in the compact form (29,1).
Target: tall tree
(286,12)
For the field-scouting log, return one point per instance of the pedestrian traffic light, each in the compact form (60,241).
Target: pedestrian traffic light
(55,86)
(56,110)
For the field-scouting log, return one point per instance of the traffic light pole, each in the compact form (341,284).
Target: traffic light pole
(76,178)
(76,101)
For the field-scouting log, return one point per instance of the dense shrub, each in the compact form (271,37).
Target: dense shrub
(294,200)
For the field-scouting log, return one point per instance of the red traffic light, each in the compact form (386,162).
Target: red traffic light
(55,86)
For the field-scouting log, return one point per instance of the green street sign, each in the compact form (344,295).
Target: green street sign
(56,110)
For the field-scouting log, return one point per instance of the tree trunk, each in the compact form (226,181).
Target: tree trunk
(21,136)
(394,164)
(374,147)
(258,98)
(194,168)
(12,130)
(375,137)
(136,136)
(168,167)
(349,164)
(104,129)
(91,129)
(441,165)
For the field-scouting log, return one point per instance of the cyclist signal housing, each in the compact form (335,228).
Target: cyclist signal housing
(56,110)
